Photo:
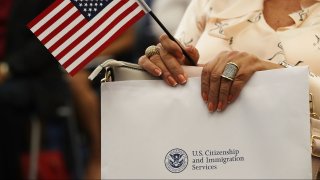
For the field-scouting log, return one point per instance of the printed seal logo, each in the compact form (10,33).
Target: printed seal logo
(176,160)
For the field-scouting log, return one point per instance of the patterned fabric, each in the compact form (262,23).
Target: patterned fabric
(214,26)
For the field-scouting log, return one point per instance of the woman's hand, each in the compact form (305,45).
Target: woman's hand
(218,91)
(167,63)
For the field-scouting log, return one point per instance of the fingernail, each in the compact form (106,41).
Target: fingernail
(211,107)
(158,71)
(172,81)
(205,97)
(182,79)
(219,107)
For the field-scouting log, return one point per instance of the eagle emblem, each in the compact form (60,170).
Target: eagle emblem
(176,160)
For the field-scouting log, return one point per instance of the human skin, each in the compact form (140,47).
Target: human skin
(218,92)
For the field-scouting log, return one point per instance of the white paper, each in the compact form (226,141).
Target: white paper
(268,127)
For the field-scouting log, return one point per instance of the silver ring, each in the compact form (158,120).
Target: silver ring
(151,51)
(230,71)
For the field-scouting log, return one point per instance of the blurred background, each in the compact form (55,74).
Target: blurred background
(50,121)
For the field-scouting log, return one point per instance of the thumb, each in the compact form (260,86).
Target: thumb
(171,46)
(174,49)
(193,53)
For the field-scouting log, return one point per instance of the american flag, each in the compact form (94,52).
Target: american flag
(76,31)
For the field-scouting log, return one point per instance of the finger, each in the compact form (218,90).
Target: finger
(171,46)
(173,66)
(244,73)
(224,91)
(206,78)
(150,67)
(166,75)
(216,82)
(205,81)
(193,53)
(235,90)
(214,88)
(240,81)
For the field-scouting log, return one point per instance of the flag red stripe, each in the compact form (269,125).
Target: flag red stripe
(61,27)
(54,19)
(101,34)
(91,29)
(44,13)
(107,43)
(68,35)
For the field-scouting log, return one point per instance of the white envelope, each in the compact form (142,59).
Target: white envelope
(152,131)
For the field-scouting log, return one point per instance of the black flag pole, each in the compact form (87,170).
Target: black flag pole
(148,9)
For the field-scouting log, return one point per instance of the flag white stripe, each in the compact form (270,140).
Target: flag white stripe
(57,23)
(104,39)
(64,31)
(95,33)
(84,29)
(49,16)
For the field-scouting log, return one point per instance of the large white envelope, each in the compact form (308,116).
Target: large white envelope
(152,131)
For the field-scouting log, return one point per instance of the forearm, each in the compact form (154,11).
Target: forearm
(88,111)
